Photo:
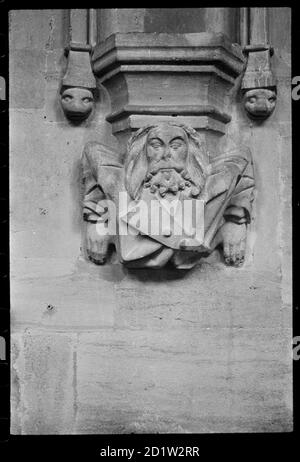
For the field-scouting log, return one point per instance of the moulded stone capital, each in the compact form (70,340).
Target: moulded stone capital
(173,48)
(168,75)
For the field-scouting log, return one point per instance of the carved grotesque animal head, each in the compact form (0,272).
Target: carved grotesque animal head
(77,103)
(167,158)
(259,103)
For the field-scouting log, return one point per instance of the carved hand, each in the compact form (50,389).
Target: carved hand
(96,244)
(234,243)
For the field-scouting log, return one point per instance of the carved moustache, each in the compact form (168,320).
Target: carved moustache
(165,165)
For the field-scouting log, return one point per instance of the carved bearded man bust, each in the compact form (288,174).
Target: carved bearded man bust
(167,164)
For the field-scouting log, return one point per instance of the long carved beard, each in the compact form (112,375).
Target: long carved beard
(170,183)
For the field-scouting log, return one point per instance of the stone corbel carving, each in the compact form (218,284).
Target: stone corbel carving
(79,90)
(259,83)
(167,167)
(160,86)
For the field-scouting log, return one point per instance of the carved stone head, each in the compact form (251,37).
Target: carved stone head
(167,158)
(259,103)
(77,103)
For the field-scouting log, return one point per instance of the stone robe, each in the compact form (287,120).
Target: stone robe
(228,187)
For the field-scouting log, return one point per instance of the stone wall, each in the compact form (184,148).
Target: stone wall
(168,20)
(108,350)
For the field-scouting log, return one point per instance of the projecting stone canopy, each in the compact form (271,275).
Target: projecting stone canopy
(163,77)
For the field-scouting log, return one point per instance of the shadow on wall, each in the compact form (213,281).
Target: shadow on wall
(76,179)
(170,273)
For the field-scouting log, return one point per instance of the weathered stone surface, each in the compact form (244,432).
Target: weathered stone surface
(43,382)
(78,25)
(50,207)
(2,89)
(112,20)
(161,362)
(92,297)
(76,299)
(186,380)
(178,20)
(41,29)
(168,20)
(124,352)
(255,300)
(55,63)
(27,81)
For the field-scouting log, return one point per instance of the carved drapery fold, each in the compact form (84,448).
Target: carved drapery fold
(169,203)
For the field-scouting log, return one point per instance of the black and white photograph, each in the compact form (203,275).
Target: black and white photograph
(150,184)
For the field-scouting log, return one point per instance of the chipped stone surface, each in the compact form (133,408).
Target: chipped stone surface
(27,66)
